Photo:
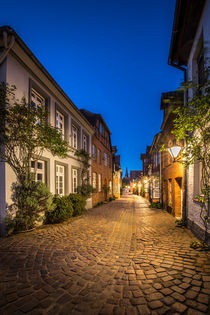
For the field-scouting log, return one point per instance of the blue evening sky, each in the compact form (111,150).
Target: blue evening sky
(109,56)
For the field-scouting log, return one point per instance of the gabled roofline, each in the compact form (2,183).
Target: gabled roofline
(42,68)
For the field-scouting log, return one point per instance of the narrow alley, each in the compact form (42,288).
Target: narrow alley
(118,258)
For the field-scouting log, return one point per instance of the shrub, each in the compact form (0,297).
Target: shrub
(63,210)
(156,205)
(78,202)
(30,199)
(86,190)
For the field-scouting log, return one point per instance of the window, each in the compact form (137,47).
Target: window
(59,182)
(60,122)
(74,137)
(38,168)
(37,101)
(99,182)
(85,147)
(197,178)
(94,180)
(110,162)
(99,156)
(74,180)
(110,187)
(105,159)
(94,152)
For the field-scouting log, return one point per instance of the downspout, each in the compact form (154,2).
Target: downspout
(6,46)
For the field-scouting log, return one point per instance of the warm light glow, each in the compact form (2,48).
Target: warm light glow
(145,181)
(134,185)
(174,151)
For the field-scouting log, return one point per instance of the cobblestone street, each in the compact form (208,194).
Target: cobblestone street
(119,258)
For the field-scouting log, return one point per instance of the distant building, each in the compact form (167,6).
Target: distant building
(101,157)
(135,175)
(146,161)
(117,174)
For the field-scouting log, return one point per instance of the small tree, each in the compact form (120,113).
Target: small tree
(24,135)
(192,124)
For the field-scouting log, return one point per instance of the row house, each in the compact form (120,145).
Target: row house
(171,169)
(117,174)
(164,176)
(19,67)
(146,161)
(190,53)
(101,157)
(154,171)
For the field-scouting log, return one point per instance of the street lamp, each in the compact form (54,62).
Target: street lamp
(174,151)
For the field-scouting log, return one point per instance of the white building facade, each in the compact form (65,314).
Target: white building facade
(19,67)
(190,51)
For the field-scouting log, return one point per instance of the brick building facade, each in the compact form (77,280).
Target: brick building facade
(101,158)
(172,171)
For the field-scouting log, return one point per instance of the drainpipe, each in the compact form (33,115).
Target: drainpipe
(6,46)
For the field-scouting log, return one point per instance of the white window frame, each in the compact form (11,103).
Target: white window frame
(94,180)
(74,180)
(38,100)
(85,142)
(60,180)
(60,122)
(74,137)
(38,171)
(99,183)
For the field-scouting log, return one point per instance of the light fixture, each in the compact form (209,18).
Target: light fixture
(174,151)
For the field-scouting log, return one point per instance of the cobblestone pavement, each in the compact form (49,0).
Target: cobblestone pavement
(119,258)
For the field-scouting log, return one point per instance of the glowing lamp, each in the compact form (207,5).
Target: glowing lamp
(174,151)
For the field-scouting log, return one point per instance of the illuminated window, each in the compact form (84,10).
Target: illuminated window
(94,180)
(110,186)
(74,180)
(60,123)
(74,137)
(38,169)
(99,182)
(60,177)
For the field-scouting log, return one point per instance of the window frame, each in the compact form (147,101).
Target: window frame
(94,180)
(57,183)
(99,183)
(74,188)
(94,152)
